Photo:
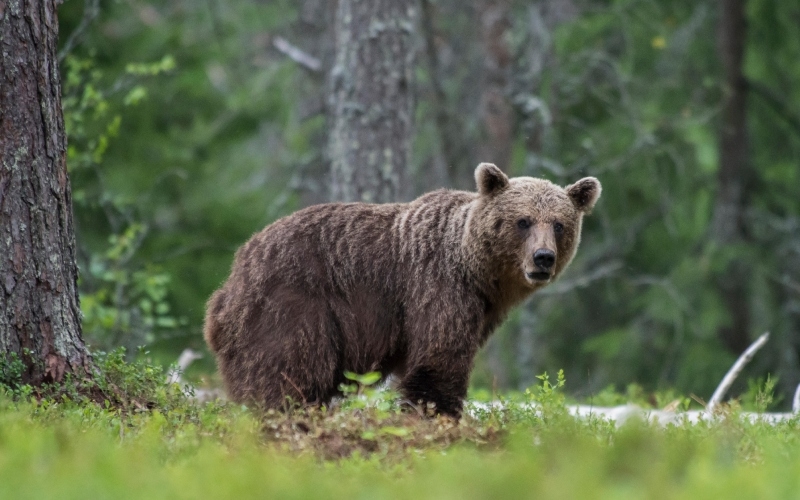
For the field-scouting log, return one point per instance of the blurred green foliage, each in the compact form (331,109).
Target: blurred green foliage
(632,95)
(184,140)
(189,131)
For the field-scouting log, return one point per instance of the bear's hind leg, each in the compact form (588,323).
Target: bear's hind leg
(301,359)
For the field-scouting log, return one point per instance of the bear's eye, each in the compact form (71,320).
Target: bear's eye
(558,227)
(523,223)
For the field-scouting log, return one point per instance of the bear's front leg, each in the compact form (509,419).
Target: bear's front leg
(443,333)
(439,383)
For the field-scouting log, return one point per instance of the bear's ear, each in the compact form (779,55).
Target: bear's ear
(584,193)
(490,179)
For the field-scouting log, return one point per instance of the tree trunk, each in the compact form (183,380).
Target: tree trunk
(40,319)
(733,163)
(456,156)
(496,112)
(498,124)
(371,99)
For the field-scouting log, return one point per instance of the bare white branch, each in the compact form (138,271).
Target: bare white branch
(294,53)
(796,401)
(187,357)
(620,414)
(737,367)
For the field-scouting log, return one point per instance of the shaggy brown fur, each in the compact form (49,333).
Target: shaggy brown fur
(410,289)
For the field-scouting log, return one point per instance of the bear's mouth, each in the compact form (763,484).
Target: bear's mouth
(538,276)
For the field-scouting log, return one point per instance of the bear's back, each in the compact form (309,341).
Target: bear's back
(341,243)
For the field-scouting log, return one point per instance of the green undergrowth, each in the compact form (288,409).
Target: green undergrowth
(126,434)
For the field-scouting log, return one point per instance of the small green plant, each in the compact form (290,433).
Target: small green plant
(362,382)
(365,392)
(760,395)
(549,396)
(766,395)
(12,368)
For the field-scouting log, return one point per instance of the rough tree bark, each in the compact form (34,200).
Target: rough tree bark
(726,225)
(39,313)
(496,111)
(497,116)
(371,99)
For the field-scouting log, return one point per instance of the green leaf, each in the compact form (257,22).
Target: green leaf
(365,379)
(394,431)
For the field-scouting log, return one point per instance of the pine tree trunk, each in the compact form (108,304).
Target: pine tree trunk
(496,111)
(498,122)
(371,99)
(39,314)
(726,224)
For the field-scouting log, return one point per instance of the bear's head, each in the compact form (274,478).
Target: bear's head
(528,229)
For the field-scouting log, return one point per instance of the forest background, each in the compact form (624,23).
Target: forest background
(193,124)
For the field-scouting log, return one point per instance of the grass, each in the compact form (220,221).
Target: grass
(126,435)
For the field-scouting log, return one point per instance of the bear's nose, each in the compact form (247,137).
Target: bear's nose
(544,258)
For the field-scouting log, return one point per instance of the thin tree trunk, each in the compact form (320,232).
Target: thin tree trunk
(451,136)
(733,164)
(39,313)
(531,65)
(496,112)
(315,29)
(371,99)
(498,124)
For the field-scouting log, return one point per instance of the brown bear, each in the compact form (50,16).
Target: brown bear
(408,289)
